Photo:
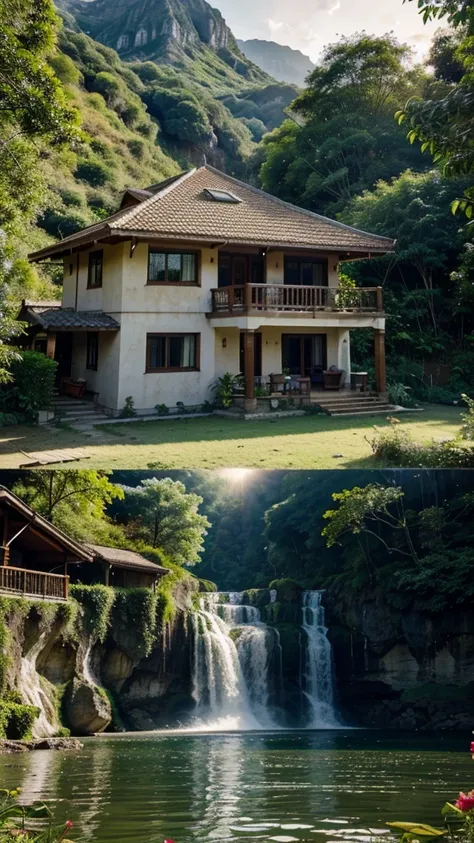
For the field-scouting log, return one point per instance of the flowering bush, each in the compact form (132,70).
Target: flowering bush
(29,823)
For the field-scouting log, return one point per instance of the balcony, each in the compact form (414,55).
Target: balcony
(23,583)
(252,299)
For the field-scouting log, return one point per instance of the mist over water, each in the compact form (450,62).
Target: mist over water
(237,667)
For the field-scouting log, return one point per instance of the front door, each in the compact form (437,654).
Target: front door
(63,356)
(301,353)
(257,363)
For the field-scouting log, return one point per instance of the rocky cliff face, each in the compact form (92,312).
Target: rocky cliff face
(161,30)
(402,669)
(278,60)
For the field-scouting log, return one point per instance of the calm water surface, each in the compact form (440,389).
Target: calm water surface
(325,787)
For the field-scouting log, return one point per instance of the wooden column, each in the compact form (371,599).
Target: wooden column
(51,346)
(249,379)
(380,370)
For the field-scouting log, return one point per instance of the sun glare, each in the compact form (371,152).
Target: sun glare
(236,475)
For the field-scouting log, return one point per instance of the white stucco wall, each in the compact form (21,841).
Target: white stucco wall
(141,308)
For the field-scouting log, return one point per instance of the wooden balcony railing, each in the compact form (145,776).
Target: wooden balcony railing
(19,581)
(280,298)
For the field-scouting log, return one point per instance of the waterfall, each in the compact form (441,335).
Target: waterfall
(317,680)
(33,693)
(231,660)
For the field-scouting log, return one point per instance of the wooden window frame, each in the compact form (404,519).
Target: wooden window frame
(166,252)
(95,254)
(91,334)
(153,370)
(300,259)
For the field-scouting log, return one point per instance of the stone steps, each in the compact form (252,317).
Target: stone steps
(352,404)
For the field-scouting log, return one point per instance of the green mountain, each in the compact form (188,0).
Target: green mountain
(169,97)
(279,61)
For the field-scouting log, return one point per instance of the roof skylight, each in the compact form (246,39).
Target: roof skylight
(221,196)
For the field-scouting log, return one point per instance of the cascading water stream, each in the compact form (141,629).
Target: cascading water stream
(317,679)
(231,665)
(32,692)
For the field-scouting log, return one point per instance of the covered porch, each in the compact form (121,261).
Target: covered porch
(34,555)
(295,360)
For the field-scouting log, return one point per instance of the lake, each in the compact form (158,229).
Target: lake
(324,787)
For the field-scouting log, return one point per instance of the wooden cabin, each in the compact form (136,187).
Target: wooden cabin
(38,560)
(35,555)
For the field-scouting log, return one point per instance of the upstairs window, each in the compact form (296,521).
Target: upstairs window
(94,275)
(172,352)
(92,355)
(172,267)
(309,272)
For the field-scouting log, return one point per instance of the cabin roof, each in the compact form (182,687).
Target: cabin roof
(186,208)
(121,558)
(77,549)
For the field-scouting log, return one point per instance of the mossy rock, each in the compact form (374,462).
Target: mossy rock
(288,590)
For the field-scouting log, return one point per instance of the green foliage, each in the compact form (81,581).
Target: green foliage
(98,601)
(16,720)
(137,608)
(163,515)
(33,378)
(442,121)
(225,388)
(128,410)
(358,506)
(395,448)
(65,497)
(467,428)
(29,823)
(162,409)
(343,139)
(288,590)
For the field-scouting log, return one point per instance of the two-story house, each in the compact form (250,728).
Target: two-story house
(201,275)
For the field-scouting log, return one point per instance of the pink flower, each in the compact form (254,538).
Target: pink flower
(168,841)
(68,824)
(472,746)
(465,802)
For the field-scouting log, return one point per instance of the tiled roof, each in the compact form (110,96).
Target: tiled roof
(126,559)
(63,318)
(181,209)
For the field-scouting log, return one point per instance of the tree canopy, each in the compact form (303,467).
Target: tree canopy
(342,137)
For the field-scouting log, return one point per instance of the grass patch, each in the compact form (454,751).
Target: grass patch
(213,442)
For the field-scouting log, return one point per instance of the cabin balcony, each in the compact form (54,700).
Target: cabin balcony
(356,307)
(20,582)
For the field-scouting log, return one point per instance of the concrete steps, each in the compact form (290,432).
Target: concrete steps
(352,403)
(80,414)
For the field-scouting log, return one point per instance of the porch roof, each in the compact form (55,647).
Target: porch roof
(120,558)
(51,316)
(183,209)
(37,523)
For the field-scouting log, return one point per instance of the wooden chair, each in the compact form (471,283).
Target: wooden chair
(333,378)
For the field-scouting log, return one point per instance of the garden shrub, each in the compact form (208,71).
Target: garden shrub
(396,448)
(33,385)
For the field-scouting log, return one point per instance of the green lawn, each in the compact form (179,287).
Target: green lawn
(301,442)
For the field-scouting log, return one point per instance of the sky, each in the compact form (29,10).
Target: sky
(308,25)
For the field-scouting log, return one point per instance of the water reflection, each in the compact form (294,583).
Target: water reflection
(281,786)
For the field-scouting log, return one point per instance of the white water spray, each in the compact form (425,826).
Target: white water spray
(231,665)
(317,668)
(45,724)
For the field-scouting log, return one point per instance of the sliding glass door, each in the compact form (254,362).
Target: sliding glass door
(301,353)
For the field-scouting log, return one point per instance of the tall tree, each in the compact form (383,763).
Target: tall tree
(35,118)
(341,139)
(165,516)
(442,122)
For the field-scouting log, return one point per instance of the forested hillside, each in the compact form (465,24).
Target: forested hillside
(345,153)
(141,90)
